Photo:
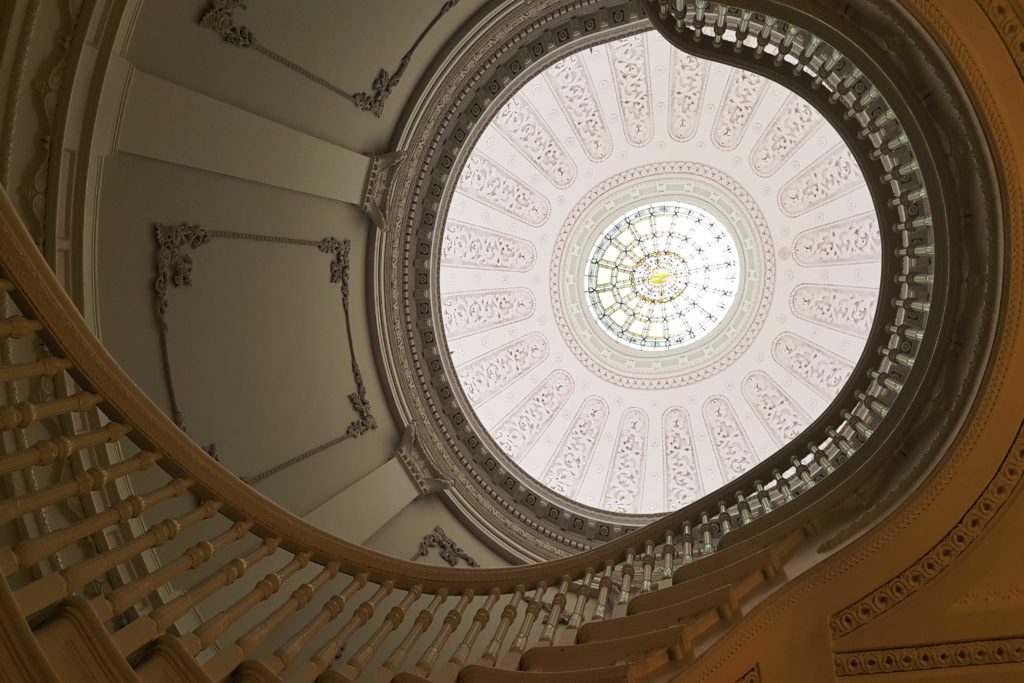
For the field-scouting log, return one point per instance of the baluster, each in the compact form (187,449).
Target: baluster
(421,624)
(448,626)
(687,543)
(705,531)
(627,576)
(480,619)
(331,610)
(547,634)
(394,619)
(16,327)
(27,553)
(515,652)
(802,472)
(200,639)
(147,627)
(873,404)
(24,414)
(84,482)
(122,599)
(886,380)
(764,38)
(724,518)
(821,457)
(858,426)
(764,497)
(648,564)
(61,448)
(668,554)
(576,620)
(362,614)
(604,586)
(782,484)
(44,367)
(743,507)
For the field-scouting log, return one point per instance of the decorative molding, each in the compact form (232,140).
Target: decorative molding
(467,313)
(470,246)
(781,416)
(380,185)
(834,174)
(220,19)
(683,483)
(793,124)
(846,309)
(492,184)
(523,126)
(450,551)
(627,58)
(623,488)
(733,450)
(174,270)
(565,471)
(930,657)
(743,92)
(752,676)
(851,240)
(485,376)
(520,429)
(577,96)
(820,369)
(1007,16)
(426,478)
(689,78)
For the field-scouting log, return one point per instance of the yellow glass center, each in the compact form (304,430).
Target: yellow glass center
(660,276)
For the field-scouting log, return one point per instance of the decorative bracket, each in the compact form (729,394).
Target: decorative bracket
(380,184)
(427,480)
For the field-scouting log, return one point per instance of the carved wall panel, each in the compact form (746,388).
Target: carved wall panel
(526,130)
(821,370)
(466,313)
(796,121)
(682,476)
(490,183)
(624,485)
(732,446)
(774,408)
(851,240)
(471,246)
(847,309)
(628,60)
(578,99)
(570,460)
(521,428)
(487,375)
(833,174)
(689,77)
(742,95)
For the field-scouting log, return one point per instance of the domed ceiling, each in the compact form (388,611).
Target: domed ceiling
(656,270)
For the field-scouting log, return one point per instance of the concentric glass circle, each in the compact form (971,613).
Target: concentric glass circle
(662,276)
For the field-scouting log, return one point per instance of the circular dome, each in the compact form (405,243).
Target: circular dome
(656,271)
(662,276)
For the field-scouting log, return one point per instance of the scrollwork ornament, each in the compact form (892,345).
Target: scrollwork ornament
(450,551)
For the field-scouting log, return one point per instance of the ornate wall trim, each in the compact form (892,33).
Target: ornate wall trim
(930,657)
(450,551)
(220,18)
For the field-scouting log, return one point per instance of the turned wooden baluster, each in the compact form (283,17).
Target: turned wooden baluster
(480,619)
(515,652)
(603,588)
(24,414)
(668,554)
(61,448)
(419,625)
(576,620)
(122,599)
(627,576)
(45,367)
(16,327)
(149,626)
(331,610)
(547,634)
(687,543)
(448,626)
(648,564)
(84,482)
(394,619)
(316,665)
(27,553)
(508,615)
(225,661)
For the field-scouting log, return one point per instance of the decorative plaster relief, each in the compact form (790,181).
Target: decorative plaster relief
(796,121)
(847,309)
(624,485)
(490,183)
(470,246)
(521,428)
(487,375)
(732,445)
(742,94)
(466,313)
(576,449)
(833,174)
(570,81)
(682,476)
(775,409)
(628,60)
(851,240)
(450,551)
(526,129)
(930,657)
(821,370)
(689,77)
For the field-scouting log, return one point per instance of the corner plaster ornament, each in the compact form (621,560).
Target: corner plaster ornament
(379,189)
(220,18)
(424,477)
(450,551)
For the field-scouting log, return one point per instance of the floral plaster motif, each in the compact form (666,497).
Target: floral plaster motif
(493,185)
(466,313)
(682,477)
(821,370)
(521,428)
(628,60)
(526,130)
(847,309)
(576,449)
(689,77)
(624,486)
(775,409)
(470,246)
(485,376)
(833,175)
(732,446)
(571,82)
(742,94)
(796,121)
(851,240)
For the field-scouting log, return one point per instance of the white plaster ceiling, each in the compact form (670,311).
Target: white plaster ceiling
(605,131)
